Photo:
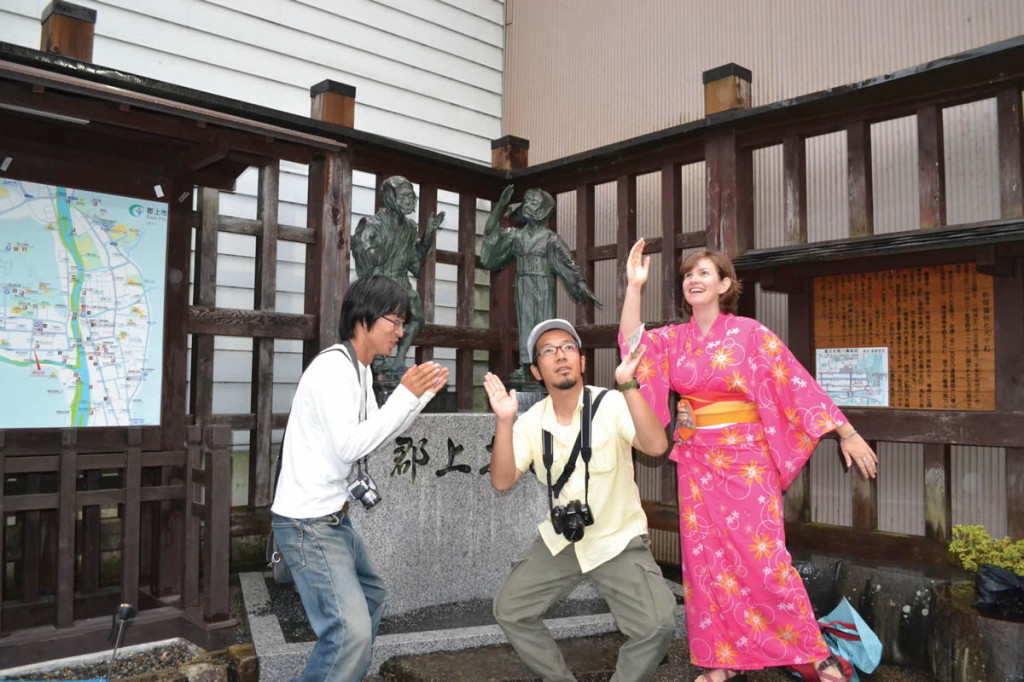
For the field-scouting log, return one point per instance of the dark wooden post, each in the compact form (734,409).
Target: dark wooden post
(3,517)
(427,282)
(729,167)
(68,30)
(625,231)
(1011,153)
(931,165)
(179,257)
(584,240)
(204,293)
(165,518)
(671,229)
(794,174)
(465,299)
(507,153)
(1015,492)
(264,299)
(334,102)
(66,513)
(726,87)
(131,519)
(328,215)
(217,509)
(938,505)
(859,187)
(193,518)
(730,200)
(89,538)
(800,327)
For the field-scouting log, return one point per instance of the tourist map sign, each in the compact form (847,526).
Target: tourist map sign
(81,307)
(854,376)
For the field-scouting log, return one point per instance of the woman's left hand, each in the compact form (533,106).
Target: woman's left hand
(856,450)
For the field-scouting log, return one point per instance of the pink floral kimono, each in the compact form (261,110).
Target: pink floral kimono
(746,607)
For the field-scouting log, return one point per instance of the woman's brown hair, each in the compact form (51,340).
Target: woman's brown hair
(728,301)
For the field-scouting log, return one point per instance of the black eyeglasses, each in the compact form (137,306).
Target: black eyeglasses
(399,325)
(569,348)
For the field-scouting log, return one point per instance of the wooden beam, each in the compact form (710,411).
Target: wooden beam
(931,166)
(794,178)
(426,282)
(1015,492)
(1011,152)
(730,198)
(204,293)
(237,322)
(217,507)
(327,261)
(131,518)
(585,236)
(859,182)
(625,230)
(993,429)
(671,227)
(1008,322)
(65,587)
(465,299)
(179,256)
(867,545)
(938,506)
(264,299)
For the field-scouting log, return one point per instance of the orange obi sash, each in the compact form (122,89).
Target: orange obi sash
(712,408)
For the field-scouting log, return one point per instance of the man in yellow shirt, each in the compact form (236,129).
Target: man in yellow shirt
(596,527)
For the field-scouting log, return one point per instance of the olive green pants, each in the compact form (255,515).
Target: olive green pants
(631,583)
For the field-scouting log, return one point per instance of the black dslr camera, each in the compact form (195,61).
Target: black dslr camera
(364,489)
(570,520)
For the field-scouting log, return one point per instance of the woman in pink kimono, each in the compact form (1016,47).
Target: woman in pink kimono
(750,417)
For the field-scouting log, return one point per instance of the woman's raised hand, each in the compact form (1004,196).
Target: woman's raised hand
(638,266)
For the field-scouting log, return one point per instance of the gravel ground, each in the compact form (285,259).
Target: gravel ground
(141,663)
(145,662)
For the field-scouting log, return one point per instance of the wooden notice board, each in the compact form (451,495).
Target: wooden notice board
(937,321)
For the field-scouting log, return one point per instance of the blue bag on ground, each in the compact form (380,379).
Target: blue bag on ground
(847,635)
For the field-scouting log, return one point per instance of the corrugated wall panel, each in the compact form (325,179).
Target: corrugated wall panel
(584,73)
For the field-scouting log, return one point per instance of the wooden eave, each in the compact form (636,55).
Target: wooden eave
(60,128)
(990,245)
(118,98)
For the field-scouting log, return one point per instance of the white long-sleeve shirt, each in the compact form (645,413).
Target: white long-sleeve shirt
(325,437)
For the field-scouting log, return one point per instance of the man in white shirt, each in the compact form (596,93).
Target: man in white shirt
(600,528)
(334,422)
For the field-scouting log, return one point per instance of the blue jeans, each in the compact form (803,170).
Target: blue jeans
(342,593)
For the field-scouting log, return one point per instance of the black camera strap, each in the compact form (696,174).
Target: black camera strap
(362,404)
(580,448)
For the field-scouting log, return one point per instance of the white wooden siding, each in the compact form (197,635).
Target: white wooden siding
(426,72)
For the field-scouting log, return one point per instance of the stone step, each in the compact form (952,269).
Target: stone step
(592,659)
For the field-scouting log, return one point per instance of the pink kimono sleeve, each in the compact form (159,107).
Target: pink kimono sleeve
(795,410)
(653,372)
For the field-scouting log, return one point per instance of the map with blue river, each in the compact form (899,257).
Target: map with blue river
(81,307)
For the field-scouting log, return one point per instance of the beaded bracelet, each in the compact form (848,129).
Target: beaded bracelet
(845,438)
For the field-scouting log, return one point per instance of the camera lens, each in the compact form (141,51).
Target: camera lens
(573,528)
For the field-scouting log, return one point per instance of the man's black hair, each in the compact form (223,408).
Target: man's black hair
(368,300)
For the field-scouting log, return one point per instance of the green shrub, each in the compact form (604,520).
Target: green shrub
(973,546)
